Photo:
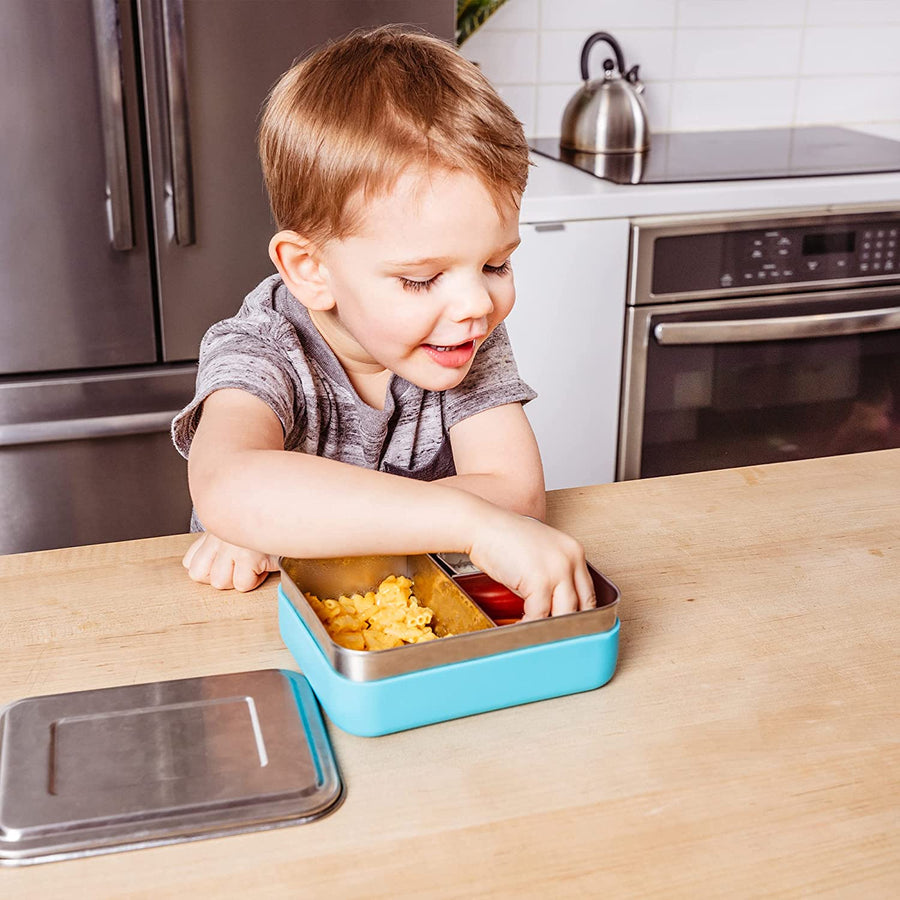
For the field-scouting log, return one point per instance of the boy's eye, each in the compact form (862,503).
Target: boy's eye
(410,285)
(502,269)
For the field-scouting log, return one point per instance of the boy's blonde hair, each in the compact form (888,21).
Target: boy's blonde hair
(356,113)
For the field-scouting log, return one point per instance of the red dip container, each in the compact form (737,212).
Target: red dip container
(498,601)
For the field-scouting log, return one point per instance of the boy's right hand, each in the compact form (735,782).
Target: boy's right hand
(212,561)
(545,567)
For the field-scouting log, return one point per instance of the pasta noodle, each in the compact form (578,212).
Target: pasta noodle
(377,620)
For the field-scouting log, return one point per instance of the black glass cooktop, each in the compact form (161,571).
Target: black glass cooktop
(737,155)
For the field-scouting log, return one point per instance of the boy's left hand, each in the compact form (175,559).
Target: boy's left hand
(212,561)
(543,566)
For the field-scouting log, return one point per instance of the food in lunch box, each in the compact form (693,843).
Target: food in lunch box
(497,600)
(377,620)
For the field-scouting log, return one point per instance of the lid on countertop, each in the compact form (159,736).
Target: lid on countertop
(142,765)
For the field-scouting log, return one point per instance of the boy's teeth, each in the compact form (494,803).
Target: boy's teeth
(448,347)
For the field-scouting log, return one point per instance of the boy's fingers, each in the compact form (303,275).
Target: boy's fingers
(246,578)
(265,564)
(565,599)
(192,552)
(200,564)
(537,606)
(587,595)
(221,573)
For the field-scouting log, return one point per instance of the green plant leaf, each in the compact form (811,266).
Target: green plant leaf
(471,15)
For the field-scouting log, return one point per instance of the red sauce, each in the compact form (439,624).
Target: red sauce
(498,602)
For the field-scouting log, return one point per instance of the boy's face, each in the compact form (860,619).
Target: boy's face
(423,281)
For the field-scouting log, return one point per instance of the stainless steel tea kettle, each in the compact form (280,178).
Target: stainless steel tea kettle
(607,115)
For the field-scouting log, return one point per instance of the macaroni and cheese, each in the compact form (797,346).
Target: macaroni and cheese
(377,620)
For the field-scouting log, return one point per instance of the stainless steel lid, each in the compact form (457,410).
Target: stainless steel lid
(138,766)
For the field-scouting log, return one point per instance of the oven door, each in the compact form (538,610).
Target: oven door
(715,384)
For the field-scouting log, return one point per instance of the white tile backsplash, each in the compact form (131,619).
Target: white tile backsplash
(737,52)
(551,102)
(731,103)
(517,14)
(521,98)
(708,64)
(867,50)
(604,15)
(852,12)
(731,13)
(658,100)
(505,57)
(848,99)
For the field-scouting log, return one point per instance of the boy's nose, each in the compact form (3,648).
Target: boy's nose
(472,302)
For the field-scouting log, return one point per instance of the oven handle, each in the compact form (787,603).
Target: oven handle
(779,328)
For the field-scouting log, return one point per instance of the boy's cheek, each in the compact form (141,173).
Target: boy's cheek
(503,306)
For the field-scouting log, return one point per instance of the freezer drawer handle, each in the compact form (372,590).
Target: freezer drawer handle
(112,112)
(180,194)
(84,429)
(778,329)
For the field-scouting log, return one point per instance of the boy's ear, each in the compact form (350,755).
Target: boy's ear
(298,263)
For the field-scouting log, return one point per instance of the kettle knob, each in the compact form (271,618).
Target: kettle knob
(596,38)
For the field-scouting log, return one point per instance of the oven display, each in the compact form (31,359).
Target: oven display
(762,257)
(829,242)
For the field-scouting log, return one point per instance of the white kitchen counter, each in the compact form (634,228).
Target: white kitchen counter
(559,192)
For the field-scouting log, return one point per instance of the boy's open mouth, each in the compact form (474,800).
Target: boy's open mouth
(451,357)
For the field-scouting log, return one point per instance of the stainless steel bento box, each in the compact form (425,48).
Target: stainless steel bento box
(482,666)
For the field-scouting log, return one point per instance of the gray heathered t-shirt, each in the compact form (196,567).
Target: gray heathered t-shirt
(272,350)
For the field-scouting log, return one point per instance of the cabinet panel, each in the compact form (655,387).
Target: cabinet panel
(567,330)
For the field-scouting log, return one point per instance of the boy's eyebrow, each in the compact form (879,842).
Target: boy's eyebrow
(443,260)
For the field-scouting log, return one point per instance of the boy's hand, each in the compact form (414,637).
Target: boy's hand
(225,566)
(545,567)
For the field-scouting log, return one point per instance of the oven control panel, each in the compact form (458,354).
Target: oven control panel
(766,257)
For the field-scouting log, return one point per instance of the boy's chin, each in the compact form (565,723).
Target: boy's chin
(432,377)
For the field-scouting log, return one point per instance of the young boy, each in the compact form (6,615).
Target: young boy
(365,400)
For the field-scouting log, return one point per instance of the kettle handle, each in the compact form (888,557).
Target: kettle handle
(588,46)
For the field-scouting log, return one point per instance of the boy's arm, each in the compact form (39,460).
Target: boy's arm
(251,493)
(497,457)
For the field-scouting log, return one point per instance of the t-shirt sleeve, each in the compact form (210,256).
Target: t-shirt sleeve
(493,380)
(247,354)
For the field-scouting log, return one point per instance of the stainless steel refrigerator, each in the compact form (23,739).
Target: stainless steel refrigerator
(132,216)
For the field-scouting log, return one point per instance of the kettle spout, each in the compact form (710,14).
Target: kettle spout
(632,77)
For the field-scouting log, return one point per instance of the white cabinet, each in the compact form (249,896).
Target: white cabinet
(567,333)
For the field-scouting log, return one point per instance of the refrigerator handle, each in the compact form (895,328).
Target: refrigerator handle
(85,429)
(112,112)
(180,193)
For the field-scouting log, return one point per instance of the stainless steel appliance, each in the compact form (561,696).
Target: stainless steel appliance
(606,115)
(133,216)
(759,338)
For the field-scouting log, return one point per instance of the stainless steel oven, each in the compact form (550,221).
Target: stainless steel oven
(757,338)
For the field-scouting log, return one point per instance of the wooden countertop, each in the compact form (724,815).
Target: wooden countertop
(749,743)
